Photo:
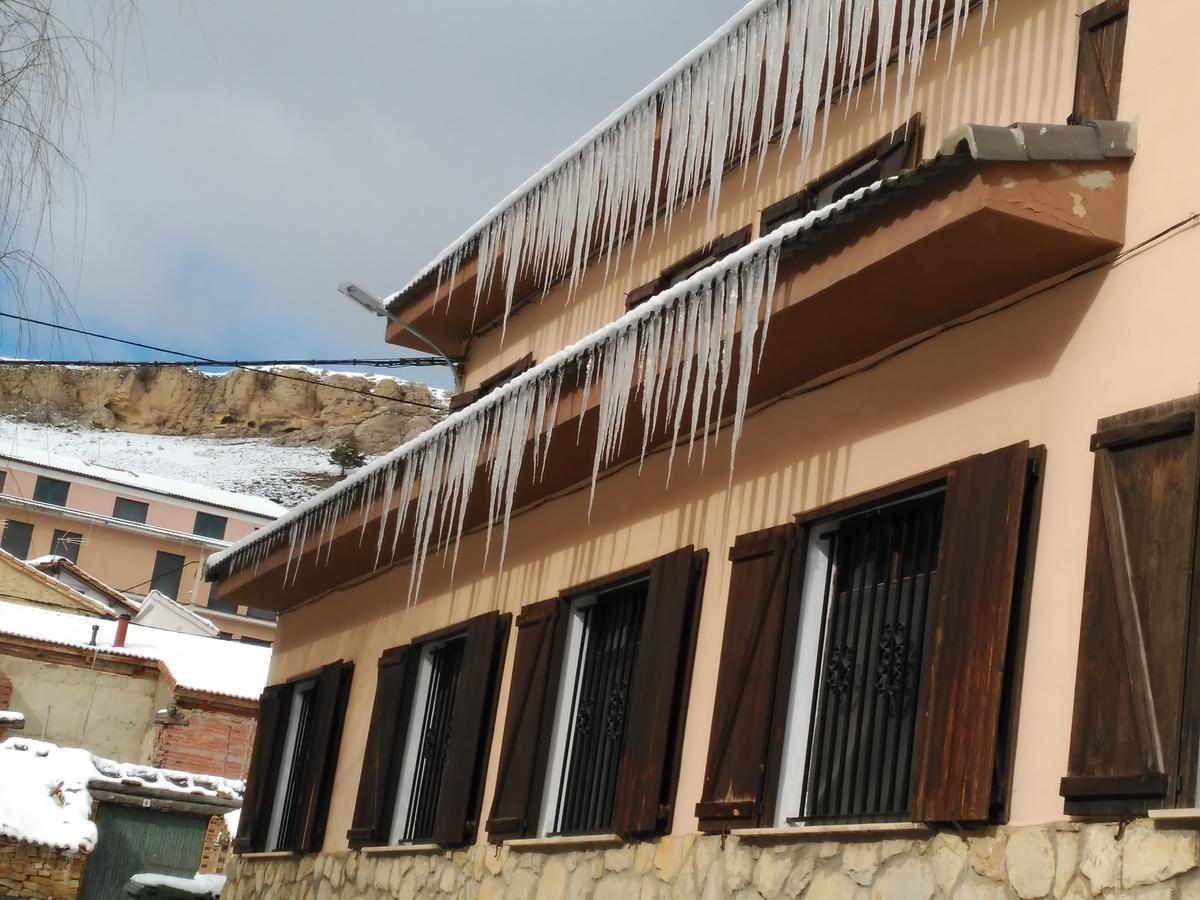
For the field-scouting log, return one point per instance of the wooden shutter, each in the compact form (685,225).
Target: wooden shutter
(527,720)
(963,681)
(658,695)
(745,703)
(329,712)
(389,715)
(470,737)
(1098,71)
(1134,632)
(264,766)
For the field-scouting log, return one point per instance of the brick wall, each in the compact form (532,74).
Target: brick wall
(27,870)
(212,743)
(216,846)
(5,697)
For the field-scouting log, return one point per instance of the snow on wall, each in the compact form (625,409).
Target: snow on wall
(44,797)
(673,354)
(669,141)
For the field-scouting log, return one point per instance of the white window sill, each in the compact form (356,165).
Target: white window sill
(562,842)
(1188,816)
(402,850)
(270,854)
(799,832)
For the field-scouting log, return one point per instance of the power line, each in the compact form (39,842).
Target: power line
(209,361)
(391,362)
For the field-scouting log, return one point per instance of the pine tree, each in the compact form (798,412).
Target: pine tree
(346,454)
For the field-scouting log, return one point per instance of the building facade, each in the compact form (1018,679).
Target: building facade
(931,633)
(136,533)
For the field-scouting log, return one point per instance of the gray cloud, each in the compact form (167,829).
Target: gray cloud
(256,154)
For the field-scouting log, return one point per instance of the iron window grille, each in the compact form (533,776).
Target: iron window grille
(297,747)
(423,767)
(869,580)
(588,739)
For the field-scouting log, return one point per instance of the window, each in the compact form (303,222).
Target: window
(66,544)
(257,642)
(424,765)
(267,615)
(224,636)
(501,378)
(710,253)
(210,526)
(1098,70)
(860,652)
(886,604)
(17,537)
(168,571)
(3,479)
(295,753)
(888,156)
(1139,654)
(588,738)
(130,510)
(218,605)
(597,704)
(50,490)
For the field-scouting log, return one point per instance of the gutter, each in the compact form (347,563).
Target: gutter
(77,515)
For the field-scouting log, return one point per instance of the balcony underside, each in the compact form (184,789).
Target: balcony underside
(942,247)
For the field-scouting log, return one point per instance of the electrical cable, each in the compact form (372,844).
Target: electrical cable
(204,359)
(394,362)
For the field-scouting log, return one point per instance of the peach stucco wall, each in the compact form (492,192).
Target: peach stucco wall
(1044,371)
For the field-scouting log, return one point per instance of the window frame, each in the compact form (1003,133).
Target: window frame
(142,506)
(682,269)
(155,576)
(281,835)
(45,484)
(211,518)
(28,526)
(504,376)
(61,539)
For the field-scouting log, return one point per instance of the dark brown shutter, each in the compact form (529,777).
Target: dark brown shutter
(963,682)
(470,736)
(389,715)
(464,399)
(747,681)
(329,712)
(658,695)
(264,765)
(1134,633)
(1098,72)
(531,696)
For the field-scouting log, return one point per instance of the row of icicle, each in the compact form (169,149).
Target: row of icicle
(679,346)
(717,107)
(684,358)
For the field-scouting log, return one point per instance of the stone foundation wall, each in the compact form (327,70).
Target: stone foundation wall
(27,870)
(1066,861)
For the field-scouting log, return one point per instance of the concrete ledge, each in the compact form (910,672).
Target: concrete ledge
(824,832)
(566,842)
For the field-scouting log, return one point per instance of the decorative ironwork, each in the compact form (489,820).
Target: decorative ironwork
(893,667)
(839,671)
(617,701)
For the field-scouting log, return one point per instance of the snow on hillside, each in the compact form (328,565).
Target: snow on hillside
(254,466)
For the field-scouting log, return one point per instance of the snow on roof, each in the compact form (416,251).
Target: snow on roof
(19,448)
(44,797)
(10,718)
(202,884)
(158,603)
(194,662)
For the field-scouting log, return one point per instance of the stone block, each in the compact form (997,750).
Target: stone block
(1066,860)
(1150,856)
(986,855)
(1100,859)
(770,874)
(947,853)
(1029,861)
(831,886)
(911,879)
(860,860)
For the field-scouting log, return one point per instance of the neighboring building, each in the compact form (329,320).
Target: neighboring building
(934,634)
(134,532)
(152,696)
(75,825)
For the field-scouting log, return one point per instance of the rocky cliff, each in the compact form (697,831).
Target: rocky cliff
(313,410)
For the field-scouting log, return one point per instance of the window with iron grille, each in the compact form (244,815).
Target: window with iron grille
(297,745)
(587,742)
(864,615)
(66,544)
(428,741)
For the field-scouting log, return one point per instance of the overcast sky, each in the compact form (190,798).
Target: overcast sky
(256,154)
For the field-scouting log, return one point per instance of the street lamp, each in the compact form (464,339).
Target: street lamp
(374,305)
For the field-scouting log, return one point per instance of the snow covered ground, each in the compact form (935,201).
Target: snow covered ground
(256,466)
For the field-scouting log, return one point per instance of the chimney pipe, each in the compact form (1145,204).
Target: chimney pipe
(95,631)
(122,628)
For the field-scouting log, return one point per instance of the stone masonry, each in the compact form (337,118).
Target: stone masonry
(1065,861)
(27,870)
